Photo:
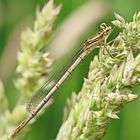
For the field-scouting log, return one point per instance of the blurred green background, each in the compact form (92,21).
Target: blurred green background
(16,15)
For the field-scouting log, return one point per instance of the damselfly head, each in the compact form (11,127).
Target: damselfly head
(105,28)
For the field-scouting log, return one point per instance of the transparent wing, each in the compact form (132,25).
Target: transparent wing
(44,90)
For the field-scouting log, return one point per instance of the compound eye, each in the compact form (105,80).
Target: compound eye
(103,26)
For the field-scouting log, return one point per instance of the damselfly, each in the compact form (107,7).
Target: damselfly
(88,46)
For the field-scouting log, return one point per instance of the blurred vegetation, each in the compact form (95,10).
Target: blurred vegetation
(16,15)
